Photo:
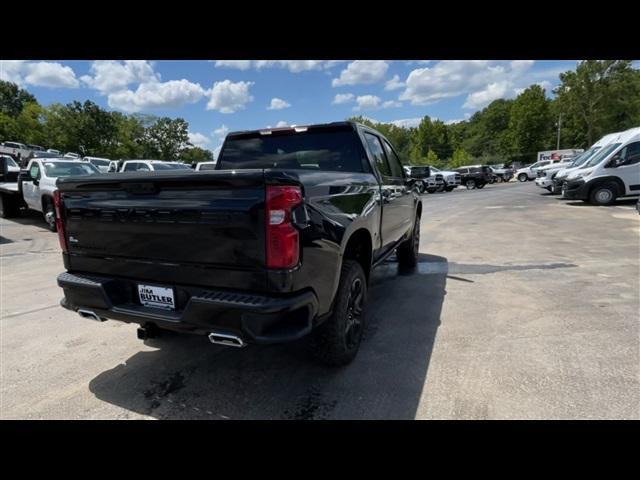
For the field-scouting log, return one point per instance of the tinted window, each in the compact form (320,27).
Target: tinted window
(601,155)
(631,153)
(378,154)
(394,161)
(101,163)
(208,166)
(330,150)
(130,167)
(143,167)
(163,166)
(66,169)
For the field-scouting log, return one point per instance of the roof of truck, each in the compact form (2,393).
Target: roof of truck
(295,127)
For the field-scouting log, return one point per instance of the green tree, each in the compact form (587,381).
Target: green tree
(460,157)
(166,138)
(196,154)
(530,123)
(599,97)
(13,98)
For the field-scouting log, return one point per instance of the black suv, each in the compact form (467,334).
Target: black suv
(474,176)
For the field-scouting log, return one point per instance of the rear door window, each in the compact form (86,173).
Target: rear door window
(131,167)
(375,147)
(394,161)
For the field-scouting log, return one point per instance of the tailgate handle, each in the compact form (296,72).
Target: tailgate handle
(140,188)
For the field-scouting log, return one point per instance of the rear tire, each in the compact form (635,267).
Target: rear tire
(523,177)
(470,184)
(407,251)
(336,341)
(603,195)
(481,185)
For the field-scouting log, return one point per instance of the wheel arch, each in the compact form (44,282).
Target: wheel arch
(596,182)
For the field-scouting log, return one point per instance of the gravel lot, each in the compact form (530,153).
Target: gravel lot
(523,306)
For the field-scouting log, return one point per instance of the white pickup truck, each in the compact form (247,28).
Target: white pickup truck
(36,185)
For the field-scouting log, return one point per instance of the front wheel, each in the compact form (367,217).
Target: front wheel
(49,213)
(499,180)
(337,340)
(603,195)
(523,177)
(470,184)
(450,189)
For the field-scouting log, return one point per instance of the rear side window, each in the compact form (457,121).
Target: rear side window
(394,161)
(631,153)
(329,150)
(378,154)
(130,167)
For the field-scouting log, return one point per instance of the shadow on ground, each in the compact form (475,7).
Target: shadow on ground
(618,202)
(186,377)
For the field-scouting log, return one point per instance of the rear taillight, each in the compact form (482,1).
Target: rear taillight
(62,237)
(282,239)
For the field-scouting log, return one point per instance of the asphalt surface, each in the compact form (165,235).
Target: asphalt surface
(523,306)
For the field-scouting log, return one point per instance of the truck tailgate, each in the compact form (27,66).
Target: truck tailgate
(186,227)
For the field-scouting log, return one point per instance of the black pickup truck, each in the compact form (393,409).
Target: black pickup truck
(475,176)
(275,244)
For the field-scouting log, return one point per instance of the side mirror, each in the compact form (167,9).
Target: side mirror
(615,161)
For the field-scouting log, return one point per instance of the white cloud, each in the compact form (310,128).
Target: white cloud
(238,64)
(484,97)
(481,80)
(282,123)
(108,76)
(407,122)
(155,95)
(394,83)
(343,98)
(456,120)
(367,102)
(221,132)
(294,66)
(38,74)
(278,104)
(362,72)
(199,140)
(391,104)
(229,97)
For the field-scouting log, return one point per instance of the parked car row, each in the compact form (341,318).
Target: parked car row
(610,169)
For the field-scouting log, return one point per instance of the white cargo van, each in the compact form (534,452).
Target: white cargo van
(613,172)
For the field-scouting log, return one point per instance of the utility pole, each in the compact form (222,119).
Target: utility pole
(559,124)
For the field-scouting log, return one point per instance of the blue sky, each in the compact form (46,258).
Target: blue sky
(220,96)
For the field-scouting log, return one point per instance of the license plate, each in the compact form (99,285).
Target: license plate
(156,297)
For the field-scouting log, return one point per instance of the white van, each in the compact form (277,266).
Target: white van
(553,176)
(612,172)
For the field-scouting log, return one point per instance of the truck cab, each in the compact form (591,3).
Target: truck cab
(38,183)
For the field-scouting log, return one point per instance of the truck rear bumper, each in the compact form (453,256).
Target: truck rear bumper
(255,318)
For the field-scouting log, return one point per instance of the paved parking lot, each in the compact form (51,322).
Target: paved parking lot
(523,306)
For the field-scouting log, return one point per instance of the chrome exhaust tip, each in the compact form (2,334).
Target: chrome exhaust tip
(226,339)
(89,314)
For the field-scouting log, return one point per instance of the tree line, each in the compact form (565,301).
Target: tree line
(89,130)
(599,97)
